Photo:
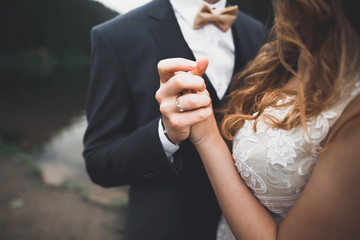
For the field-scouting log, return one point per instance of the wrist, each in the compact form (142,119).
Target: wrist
(166,134)
(211,138)
(169,147)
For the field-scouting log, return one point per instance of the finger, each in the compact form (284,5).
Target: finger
(193,101)
(184,82)
(201,65)
(205,92)
(189,118)
(168,67)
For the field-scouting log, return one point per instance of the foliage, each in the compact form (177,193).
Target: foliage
(54,27)
(11,152)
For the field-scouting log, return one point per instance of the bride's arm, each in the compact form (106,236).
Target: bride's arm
(329,207)
(247,218)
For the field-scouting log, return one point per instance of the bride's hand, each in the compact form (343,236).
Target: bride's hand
(180,104)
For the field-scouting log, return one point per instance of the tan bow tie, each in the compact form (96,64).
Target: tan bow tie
(222,20)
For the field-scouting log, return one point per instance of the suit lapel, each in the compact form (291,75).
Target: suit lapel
(166,31)
(239,61)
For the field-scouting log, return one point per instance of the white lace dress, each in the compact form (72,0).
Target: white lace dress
(274,163)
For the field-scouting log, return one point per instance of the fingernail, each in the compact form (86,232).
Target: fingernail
(204,87)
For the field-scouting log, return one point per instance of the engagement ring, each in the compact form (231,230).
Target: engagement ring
(177,104)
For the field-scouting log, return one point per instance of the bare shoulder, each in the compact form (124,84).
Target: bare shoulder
(329,206)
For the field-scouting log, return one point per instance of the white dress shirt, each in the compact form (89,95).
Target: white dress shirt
(208,41)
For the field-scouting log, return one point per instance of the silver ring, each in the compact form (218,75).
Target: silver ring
(177,104)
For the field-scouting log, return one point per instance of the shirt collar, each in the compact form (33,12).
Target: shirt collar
(189,8)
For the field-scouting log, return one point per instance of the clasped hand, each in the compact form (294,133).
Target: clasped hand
(184,102)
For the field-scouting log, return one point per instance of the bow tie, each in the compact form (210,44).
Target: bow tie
(222,20)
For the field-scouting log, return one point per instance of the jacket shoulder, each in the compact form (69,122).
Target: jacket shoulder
(250,21)
(120,21)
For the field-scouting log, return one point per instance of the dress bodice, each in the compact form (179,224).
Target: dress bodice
(275,163)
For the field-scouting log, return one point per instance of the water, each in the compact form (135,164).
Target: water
(44,111)
(60,157)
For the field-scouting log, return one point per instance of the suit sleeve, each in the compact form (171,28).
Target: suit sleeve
(116,151)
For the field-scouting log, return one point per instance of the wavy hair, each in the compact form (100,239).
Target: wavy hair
(311,40)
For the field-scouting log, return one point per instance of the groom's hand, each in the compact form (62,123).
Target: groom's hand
(182,96)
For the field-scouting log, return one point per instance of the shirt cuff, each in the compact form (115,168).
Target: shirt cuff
(169,147)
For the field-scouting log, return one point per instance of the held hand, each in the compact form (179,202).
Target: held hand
(180,105)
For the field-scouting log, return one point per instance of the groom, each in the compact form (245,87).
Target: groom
(126,141)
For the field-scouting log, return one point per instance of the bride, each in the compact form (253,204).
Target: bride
(292,122)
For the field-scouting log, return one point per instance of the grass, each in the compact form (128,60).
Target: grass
(118,205)
(7,148)
(10,152)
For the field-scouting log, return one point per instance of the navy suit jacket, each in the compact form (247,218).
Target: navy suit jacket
(122,146)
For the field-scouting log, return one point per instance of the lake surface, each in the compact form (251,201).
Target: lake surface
(43,111)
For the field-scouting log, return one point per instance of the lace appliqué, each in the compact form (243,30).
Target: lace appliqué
(254,181)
